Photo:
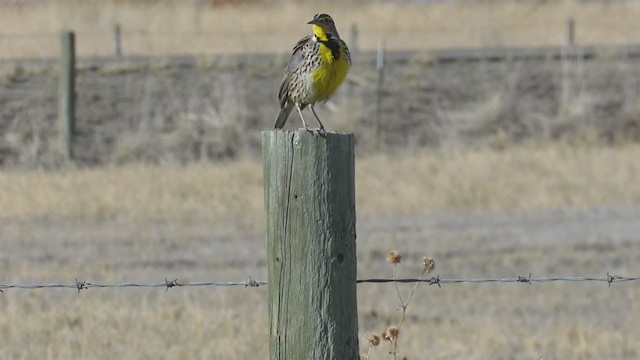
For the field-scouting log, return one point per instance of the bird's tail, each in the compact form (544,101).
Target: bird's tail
(283,115)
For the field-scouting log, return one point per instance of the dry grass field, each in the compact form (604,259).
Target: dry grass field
(493,169)
(550,209)
(526,177)
(178,115)
(179,27)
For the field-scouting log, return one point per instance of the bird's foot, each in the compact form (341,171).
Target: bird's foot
(314,131)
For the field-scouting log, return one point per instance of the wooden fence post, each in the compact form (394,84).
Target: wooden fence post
(379,93)
(354,47)
(571,59)
(309,195)
(571,33)
(67,95)
(117,39)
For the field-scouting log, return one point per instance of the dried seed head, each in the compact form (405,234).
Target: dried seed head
(429,264)
(374,339)
(394,257)
(391,334)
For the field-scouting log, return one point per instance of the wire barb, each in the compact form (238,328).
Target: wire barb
(170,284)
(81,285)
(524,279)
(614,278)
(252,283)
(435,280)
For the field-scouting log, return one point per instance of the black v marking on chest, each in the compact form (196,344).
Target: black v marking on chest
(333,45)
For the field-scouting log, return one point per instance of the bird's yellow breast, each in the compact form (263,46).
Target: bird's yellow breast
(330,73)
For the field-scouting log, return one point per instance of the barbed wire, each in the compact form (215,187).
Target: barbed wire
(83,285)
(436,280)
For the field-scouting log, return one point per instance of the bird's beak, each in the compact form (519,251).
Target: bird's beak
(313,22)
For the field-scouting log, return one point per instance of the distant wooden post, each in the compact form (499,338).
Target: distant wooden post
(117,39)
(570,60)
(67,95)
(571,33)
(353,40)
(379,92)
(347,99)
(309,195)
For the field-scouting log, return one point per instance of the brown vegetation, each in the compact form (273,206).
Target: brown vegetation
(178,27)
(493,169)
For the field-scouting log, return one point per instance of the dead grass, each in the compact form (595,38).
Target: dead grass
(93,325)
(497,321)
(524,177)
(549,175)
(204,221)
(185,27)
(221,193)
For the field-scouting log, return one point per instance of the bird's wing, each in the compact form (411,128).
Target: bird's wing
(297,57)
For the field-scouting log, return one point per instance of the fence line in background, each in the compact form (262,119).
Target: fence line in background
(353,30)
(119,34)
(436,280)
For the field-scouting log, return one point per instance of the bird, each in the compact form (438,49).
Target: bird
(318,65)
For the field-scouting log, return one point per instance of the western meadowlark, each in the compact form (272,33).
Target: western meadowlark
(317,67)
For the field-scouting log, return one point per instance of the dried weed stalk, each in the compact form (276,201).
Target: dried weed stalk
(392,333)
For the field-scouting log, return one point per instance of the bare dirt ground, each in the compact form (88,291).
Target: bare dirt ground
(162,113)
(474,321)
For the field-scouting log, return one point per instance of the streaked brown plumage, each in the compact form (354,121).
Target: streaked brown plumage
(318,65)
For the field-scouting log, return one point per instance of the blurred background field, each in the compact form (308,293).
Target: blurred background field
(493,168)
(268,26)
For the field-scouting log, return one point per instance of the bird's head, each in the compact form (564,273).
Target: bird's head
(323,27)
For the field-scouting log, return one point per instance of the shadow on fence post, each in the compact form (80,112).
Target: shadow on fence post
(309,195)
(67,95)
